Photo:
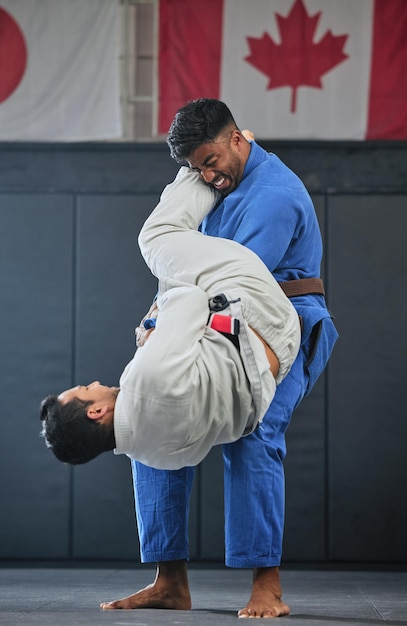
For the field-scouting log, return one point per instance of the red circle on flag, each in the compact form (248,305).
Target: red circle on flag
(13,55)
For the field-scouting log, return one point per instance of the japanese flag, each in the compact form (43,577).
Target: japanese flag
(289,69)
(59,70)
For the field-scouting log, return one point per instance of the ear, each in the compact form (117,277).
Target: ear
(96,411)
(239,143)
(237,137)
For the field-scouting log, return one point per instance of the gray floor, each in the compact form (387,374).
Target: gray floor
(71,596)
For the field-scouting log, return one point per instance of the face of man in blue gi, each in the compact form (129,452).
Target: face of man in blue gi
(221,163)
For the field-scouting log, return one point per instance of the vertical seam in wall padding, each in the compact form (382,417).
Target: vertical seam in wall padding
(327,268)
(198,478)
(74,352)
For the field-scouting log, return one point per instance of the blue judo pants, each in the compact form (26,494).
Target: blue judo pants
(254,490)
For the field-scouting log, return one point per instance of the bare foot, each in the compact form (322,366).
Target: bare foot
(170,590)
(265,600)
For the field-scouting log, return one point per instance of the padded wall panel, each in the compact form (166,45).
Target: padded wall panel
(304,535)
(43,501)
(368,426)
(211,516)
(114,290)
(36,257)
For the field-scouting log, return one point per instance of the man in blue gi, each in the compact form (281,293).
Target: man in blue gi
(266,208)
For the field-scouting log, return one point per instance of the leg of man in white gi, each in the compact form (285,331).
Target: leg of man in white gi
(173,248)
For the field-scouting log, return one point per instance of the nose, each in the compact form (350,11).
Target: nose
(95,383)
(207,175)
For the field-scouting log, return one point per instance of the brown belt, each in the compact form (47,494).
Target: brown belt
(292,288)
(303,287)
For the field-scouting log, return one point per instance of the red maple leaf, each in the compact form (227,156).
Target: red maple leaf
(297,61)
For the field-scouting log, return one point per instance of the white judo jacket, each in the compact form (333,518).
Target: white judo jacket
(189,388)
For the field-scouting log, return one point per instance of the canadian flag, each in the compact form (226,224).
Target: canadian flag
(289,69)
(59,70)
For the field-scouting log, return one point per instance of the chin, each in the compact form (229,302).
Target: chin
(228,191)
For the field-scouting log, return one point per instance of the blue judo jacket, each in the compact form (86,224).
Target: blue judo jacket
(272,213)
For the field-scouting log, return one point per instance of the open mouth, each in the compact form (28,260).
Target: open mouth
(219,183)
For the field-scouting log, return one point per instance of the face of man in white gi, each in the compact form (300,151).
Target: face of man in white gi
(102,400)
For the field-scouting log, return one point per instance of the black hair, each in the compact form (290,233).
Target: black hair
(72,436)
(198,122)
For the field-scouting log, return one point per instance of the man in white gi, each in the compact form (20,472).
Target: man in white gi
(189,387)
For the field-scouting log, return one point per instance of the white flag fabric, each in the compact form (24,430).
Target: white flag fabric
(289,69)
(60,72)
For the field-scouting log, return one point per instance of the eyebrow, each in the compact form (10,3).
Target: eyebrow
(209,158)
(204,163)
